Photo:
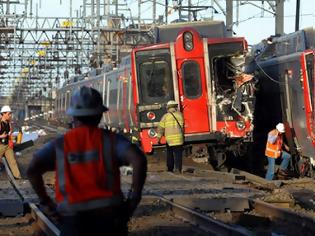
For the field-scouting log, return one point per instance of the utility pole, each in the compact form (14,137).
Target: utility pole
(297,15)
(277,7)
(166,11)
(229,17)
(279,17)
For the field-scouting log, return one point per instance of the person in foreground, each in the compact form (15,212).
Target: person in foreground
(88,196)
(274,150)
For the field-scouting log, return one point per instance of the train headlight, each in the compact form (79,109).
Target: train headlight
(151,115)
(240,125)
(188,41)
(152,133)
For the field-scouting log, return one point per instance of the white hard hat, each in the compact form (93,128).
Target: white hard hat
(171,104)
(280,127)
(86,102)
(5,109)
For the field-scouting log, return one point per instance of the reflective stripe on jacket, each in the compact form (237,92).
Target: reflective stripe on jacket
(273,149)
(87,176)
(171,129)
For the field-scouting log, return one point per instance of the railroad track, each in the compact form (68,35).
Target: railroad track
(215,216)
(44,223)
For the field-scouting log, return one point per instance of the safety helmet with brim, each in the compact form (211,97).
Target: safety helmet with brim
(5,109)
(86,101)
(280,127)
(171,104)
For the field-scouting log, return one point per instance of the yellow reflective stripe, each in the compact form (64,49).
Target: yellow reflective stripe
(171,123)
(162,124)
(173,136)
(175,139)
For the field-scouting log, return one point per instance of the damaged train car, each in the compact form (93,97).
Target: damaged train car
(285,69)
(194,64)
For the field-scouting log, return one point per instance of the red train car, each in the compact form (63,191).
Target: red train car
(193,64)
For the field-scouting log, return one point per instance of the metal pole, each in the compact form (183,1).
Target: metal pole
(179,10)
(189,12)
(31,7)
(229,17)
(107,8)
(92,9)
(279,17)
(84,9)
(166,11)
(116,7)
(212,12)
(25,7)
(139,13)
(70,9)
(98,31)
(154,11)
(8,7)
(104,8)
(297,15)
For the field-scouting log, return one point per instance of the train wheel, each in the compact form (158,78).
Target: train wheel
(217,159)
(305,167)
(199,153)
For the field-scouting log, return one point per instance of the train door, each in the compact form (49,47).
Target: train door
(193,95)
(308,64)
(189,53)
(153,88)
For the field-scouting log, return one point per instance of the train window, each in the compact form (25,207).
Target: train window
(191,79)
(156,81)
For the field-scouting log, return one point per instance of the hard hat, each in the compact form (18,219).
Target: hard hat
(171,104)
(86,102)
(280,128)
(5,109)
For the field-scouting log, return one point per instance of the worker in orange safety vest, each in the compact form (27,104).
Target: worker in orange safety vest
(88,195)
(274,150)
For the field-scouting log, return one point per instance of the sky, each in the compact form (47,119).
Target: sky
(254,24)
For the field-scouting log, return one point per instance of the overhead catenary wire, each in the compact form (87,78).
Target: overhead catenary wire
(268,76)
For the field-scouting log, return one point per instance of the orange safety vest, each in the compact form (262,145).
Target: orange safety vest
(87,175)
(273,150)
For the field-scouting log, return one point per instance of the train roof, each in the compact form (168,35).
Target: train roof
(207,29)
(298,41)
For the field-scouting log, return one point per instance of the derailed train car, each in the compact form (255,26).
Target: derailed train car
(193,64)
(284,67)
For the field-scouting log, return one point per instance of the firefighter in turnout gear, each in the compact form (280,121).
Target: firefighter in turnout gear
(88,196)
(5,135)
(274,150)
(172,127)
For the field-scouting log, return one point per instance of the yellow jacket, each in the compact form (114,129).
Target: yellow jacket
(170,128)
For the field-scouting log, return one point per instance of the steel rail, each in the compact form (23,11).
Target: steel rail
(43,221)
(202,221)
(45,224)
(299,219)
